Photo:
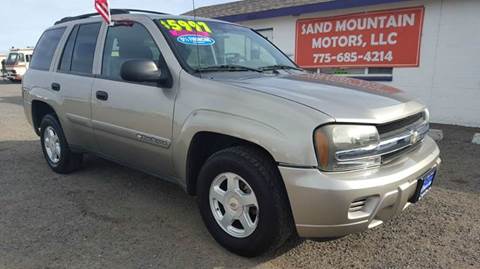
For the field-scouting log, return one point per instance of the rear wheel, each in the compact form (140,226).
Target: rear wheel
(55,148)
(243,202)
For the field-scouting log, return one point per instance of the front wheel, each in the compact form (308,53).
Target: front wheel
(243,202)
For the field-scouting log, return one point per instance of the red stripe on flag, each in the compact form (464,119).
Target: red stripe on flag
(102,13)
(103,9)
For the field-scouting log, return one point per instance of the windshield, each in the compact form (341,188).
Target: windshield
(213,46)
(12,59)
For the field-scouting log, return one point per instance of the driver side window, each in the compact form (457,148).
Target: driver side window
(127,41)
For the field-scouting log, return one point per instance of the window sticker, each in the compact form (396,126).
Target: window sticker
(183,27)
(184,32)
(199,40)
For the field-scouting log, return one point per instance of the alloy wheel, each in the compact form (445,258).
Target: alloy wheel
(234,205)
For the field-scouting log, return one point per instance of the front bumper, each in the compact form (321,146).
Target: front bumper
(13,75)
(322,202)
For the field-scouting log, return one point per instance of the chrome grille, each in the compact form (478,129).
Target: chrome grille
(401,136)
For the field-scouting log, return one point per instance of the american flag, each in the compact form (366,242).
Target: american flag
(103,8)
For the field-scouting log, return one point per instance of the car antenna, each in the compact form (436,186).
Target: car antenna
(196,34)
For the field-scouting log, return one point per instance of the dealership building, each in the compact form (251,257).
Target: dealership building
(428,48)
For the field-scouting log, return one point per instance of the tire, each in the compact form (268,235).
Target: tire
(66,161)
(274,220)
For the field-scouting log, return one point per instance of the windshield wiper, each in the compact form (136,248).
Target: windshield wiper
(226,68)
(279,67)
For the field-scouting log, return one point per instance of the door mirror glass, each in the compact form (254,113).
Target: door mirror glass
(141,71)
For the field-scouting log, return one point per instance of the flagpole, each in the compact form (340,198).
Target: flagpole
(103,8)
(110,23)
(196,33)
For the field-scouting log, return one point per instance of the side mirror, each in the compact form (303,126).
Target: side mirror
(143,71)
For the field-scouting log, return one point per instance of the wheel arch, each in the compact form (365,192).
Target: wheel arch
(39,110)
(204,144)
(206,132)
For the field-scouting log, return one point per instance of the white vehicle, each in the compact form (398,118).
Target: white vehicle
(17,63)
(3,58)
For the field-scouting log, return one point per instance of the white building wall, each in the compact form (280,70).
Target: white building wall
(448,79)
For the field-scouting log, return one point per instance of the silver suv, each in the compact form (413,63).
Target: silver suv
(269,149)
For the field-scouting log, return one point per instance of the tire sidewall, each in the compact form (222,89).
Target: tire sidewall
(51,121)
(267,228)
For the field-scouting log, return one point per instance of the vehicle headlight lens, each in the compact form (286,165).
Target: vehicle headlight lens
(342,147)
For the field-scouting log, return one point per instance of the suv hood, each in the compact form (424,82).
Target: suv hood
(344,99)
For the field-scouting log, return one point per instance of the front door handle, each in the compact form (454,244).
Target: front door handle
(56,87)
(101,95)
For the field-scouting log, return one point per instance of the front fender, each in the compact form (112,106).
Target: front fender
(282,146)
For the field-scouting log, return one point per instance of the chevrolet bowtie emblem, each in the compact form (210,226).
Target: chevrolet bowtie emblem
(414,137)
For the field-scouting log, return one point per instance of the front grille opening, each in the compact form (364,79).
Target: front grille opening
(400,124)
(357,205)
(362,208)
(387,158)
(394,155)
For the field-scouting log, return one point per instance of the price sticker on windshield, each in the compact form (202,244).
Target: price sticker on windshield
(181,27)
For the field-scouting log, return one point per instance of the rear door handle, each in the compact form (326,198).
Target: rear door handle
(56,87)
(101,95)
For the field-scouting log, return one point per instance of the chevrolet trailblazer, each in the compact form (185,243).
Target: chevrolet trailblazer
(269,150)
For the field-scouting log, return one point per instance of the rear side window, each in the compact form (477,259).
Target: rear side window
(66,61)
(79,51)
(45,49)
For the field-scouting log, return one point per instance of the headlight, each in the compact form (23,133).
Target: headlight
(347,147)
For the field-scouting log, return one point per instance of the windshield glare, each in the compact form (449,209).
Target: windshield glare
(207,44)
(12,59)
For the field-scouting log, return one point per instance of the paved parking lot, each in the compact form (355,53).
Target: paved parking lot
(109,216)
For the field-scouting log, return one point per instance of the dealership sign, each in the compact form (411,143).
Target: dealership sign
(389,38)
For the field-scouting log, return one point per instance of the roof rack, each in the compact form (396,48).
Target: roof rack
(112,12)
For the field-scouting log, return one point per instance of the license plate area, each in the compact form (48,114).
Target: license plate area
(424,185)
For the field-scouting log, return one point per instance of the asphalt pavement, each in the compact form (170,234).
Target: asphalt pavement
(109,216)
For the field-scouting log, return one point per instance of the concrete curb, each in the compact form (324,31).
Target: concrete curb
(476,139)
